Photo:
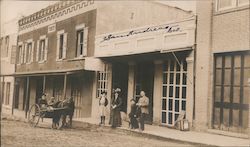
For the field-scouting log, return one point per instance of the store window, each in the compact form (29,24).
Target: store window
(231,91)
(174,90)
(102,83)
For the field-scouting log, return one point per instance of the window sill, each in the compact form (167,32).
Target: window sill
(77,58)
(59,60)
(229,10)
(40,62)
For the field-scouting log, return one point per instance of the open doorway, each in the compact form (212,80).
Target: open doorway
(120,80)
(144,81)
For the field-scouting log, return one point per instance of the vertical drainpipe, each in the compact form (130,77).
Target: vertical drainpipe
(194,69)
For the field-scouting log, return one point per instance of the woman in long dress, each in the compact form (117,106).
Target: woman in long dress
(116,104)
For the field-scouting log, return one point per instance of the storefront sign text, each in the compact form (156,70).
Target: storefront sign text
(169,29)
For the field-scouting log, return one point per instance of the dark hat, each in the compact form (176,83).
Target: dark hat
(103,92)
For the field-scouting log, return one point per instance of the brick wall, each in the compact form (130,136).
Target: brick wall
(68,25)
(231,31)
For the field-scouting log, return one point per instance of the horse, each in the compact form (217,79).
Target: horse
(59,118)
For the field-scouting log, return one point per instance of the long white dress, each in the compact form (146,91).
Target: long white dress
(102,106)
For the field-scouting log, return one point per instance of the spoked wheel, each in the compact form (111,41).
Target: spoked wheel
(34,115)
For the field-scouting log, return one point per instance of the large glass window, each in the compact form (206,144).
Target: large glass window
(231,91)
(174,87)
(102,84)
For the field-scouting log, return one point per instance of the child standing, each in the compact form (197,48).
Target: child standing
(103,102)
(133,115)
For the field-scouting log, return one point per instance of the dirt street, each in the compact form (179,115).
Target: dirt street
(16,133)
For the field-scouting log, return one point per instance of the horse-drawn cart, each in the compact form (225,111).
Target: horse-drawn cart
(58,113)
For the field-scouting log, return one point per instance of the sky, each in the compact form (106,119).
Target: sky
(12,10)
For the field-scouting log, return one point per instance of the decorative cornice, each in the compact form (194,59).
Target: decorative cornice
(52,12)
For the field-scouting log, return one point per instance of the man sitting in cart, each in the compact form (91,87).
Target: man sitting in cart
(43,102)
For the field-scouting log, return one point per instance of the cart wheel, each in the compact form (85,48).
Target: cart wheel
(34,115)
(60,122)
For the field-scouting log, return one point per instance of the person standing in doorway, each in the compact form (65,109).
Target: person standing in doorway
(103,102)
(143,103)
(116,104)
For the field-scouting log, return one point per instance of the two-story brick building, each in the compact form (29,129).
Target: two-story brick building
(52,47)
(222,90)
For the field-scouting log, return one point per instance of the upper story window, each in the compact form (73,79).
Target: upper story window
(61,45)
(28,52)
(7,45)
(19,54)
(228,4)
(42,49)
(79,51)
(81,40)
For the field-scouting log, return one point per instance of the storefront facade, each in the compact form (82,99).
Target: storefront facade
(157,59)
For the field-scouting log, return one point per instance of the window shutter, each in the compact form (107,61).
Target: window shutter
(85,41)
(57,46)
(37,50)
(46,49)
(32,51)
(64,45)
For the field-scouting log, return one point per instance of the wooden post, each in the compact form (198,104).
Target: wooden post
(27,96)
(65,86)
(44,83)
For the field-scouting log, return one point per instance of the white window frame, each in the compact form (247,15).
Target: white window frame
(225,8)
(44,50)
(20,53)
(244,4)
(64,45)
(84,43)
(236,4)
(31,52)
(102,81)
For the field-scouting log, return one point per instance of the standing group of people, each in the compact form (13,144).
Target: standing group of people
(137,115)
